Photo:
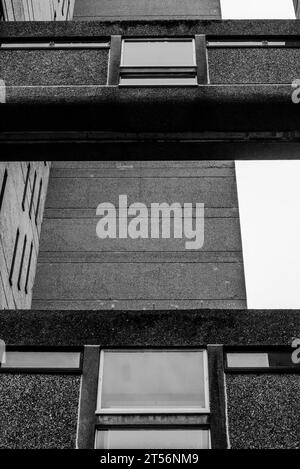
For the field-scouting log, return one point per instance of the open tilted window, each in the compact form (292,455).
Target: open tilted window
(153,399)
(158,62)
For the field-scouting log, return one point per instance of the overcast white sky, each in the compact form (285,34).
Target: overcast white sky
(269,202)
(257,9)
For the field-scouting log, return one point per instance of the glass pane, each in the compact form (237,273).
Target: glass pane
(247,360)
(281,359)
(257,9)
(152,439)
(153,379)
(173,81)
(158,53)
(42,360)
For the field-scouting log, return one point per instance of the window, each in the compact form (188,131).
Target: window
(166,383)
(257,9)
(156,381)
(32,194)
(158,62)
(28,268)
(153,439)
(22,262)
(25,186)
(3,186)
(12,267)
(275,360)
(30,360)
(38,202)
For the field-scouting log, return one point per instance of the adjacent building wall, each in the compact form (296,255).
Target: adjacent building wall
(37,10)
(23,187)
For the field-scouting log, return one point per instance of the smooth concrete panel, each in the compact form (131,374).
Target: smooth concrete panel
(139,281)
(78,270)
(65,235)
(192,167)
(137,305)
(89,192)
(96,9)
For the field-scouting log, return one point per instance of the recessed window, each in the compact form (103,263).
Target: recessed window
(153,439)
(257,9)
(158,62)
(46,360)
(3,186)
(156,381)
(13,261)
(136,384)
(272,360)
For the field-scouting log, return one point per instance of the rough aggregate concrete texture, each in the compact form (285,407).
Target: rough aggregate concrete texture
(112,108)
(54,67)
(150,328)
(154,27)
(264,411)
(38,411)
(254,65)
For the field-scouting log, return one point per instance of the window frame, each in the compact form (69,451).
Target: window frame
(160,71)
(146,427)
(271,369)
(53,45)
(162,411)
(41,369)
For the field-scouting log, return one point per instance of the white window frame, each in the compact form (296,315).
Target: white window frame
(150,410)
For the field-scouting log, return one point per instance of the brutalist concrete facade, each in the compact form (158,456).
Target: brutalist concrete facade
(80,112)
(77,270)
(23,194)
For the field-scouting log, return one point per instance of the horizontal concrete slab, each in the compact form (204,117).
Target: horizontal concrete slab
(150,328)
(220,234)
(85,213)
(139,281)
(91,10)
(163,28)
(106,257)
(89,192)
(163,167)
(116,109)
(134,305)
